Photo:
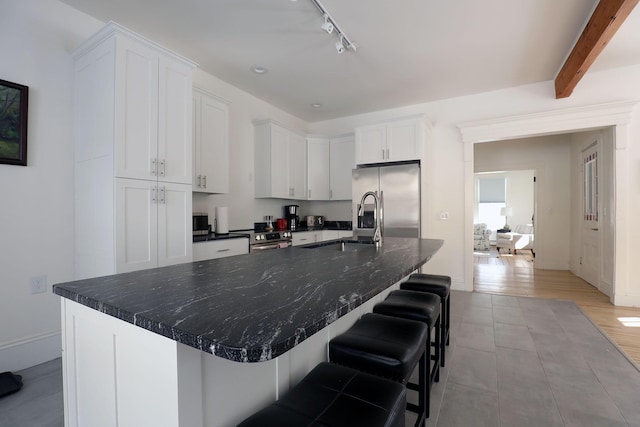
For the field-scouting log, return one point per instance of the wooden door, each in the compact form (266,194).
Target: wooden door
(590,246)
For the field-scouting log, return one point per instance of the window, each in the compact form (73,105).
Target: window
(591,186)
(491,197)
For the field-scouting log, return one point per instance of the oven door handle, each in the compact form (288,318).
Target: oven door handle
(264,247)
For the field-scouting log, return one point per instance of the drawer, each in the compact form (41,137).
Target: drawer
(220,248)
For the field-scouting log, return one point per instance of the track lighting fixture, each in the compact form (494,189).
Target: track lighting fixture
(330,26)
(327,26)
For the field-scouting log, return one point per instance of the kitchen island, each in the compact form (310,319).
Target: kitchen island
(135,345)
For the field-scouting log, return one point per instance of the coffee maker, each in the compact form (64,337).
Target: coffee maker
(291,214)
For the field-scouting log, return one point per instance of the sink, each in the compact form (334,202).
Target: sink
(340,245)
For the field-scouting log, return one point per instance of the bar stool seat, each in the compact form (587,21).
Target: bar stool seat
(389,347)
(337,396)
(441,286)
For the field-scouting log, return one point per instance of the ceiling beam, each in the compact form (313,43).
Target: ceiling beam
(603,24)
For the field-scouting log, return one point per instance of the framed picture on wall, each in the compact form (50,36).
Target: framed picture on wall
(14,100)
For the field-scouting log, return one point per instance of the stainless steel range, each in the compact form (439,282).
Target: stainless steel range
(263,240)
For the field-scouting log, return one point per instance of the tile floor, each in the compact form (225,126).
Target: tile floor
(512,362)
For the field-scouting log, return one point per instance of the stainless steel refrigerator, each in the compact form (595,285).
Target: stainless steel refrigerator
(398,188)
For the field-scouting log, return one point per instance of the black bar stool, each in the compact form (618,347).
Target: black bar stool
(333,395)
(441,286)
(423,307)
(389,347)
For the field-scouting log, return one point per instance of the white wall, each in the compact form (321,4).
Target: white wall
(550,157)
(36,214)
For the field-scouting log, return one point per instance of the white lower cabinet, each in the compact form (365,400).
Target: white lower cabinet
(213,249)
(152,224)
(309,237)
(306,237)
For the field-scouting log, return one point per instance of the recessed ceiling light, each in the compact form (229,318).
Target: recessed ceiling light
(258,69)
(316,105)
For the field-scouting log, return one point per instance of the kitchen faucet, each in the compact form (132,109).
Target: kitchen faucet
(377,234)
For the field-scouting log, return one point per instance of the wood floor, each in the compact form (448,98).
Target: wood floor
(510,274)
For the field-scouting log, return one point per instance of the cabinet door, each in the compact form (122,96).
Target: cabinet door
(136,111)
(211,145)
(371,144)
(404,140)
(318,153)
(279,163)
(175,122)
(136,225)
(342,162)
(304,238)
(175,234)
(297,167)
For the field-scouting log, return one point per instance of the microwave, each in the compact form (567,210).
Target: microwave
(200,223)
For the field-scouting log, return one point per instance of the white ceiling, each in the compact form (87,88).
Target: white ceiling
(409,51)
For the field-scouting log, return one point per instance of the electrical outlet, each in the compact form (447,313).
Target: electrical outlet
(39,284)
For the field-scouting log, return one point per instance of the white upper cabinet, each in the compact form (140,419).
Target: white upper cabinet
(280,162)
(210,143)
(392,141)
(152,113)
(342,162)
(318,169)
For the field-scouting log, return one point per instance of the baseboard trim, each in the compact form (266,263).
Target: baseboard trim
(626,300)
(31,351)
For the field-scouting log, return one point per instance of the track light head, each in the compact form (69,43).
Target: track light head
(340,46)
(327,26)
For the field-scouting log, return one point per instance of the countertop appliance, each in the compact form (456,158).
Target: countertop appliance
(263,240)
(314,220)
(398,189)
(200,223)
(291,214)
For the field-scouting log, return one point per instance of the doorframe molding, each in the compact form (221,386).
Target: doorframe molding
(577,119)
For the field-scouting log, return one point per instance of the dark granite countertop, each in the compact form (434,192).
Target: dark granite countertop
(253,307)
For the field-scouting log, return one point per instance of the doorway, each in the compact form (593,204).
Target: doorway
(590,249)
(615,115)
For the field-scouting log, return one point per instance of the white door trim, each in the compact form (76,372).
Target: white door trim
(617,114)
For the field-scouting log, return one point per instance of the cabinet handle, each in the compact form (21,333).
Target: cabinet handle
(387,154)
(162,167)
(204,181)
(153,194)
(331,194)
(154,166)
(161,195)
(383,154)
(309,193)
(199,178)
(302,240)
(223,250)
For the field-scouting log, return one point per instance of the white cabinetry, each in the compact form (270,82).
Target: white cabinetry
(393,141)
(342,161)
(210,143)
(329,165)
(220,248)
(133,154)
(306,237)
(318,166)
(280,162)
